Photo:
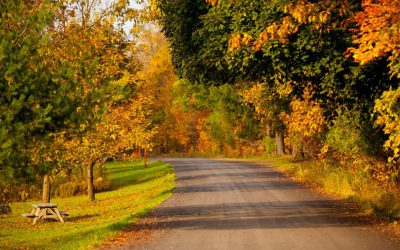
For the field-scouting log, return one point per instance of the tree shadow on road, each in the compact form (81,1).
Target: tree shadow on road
(237,216)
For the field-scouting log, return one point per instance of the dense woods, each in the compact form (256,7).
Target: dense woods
(314,79)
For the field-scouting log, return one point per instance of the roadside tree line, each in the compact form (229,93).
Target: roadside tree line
(319,77)
(71,91)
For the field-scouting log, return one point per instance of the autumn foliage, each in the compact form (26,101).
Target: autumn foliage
(317,79)
(378,32)
(305,124)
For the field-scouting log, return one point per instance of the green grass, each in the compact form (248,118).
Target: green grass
(352,184)
(136,190)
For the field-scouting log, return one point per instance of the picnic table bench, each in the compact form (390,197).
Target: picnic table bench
(44,211)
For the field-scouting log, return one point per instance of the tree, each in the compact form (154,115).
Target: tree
(279,44)
(156,79)
(305,124)
(88,36)
(180,20)
(269,103)
(377,36)
(40,92)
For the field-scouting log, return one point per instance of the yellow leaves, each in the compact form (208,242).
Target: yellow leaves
(234,42)
(255,96)
(247,39)
(323,16)
(301,11)
(284,90)
(318,14)
(387,108)
(306,119)
(82,127)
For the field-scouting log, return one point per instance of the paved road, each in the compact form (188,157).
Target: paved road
(221,204)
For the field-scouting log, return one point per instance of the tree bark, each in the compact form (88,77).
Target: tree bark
(90,182)
(296,152)
(145,157)
(46,189)
(280,148)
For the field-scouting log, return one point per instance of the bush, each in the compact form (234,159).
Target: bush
(352,182)
(348,134)
(70,188)
(270,145)
(15,192)
(73,188)
(305,124)
(101,185)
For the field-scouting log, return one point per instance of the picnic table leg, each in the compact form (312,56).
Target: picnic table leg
(40,213)
(36,212)
(59,215)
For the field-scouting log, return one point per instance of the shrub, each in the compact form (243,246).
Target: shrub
(347,135)
(70,188)
(387,108)
(305,124)
(101,184)
(270,145)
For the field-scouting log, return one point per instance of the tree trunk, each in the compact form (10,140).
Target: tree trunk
(280,148)
(46,189)
(90,182)
(268,128)
(145,157)
(296,152)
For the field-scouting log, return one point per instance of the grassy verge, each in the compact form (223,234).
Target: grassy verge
(355,185)
(136,190)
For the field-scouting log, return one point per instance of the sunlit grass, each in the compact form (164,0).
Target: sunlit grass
(136,189)
(355,185)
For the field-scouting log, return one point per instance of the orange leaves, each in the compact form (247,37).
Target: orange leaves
(302,11)
(378,33)
(272,32)
(234,42)
(259,42)
(306,119)
(212,2)
(322,16)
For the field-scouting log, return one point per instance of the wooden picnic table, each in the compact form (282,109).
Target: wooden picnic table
(44,211)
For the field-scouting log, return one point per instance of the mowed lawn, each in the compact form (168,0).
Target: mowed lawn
(136,189)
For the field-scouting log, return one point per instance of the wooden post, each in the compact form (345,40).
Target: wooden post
(145,157)
(90,182)
(46,189)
